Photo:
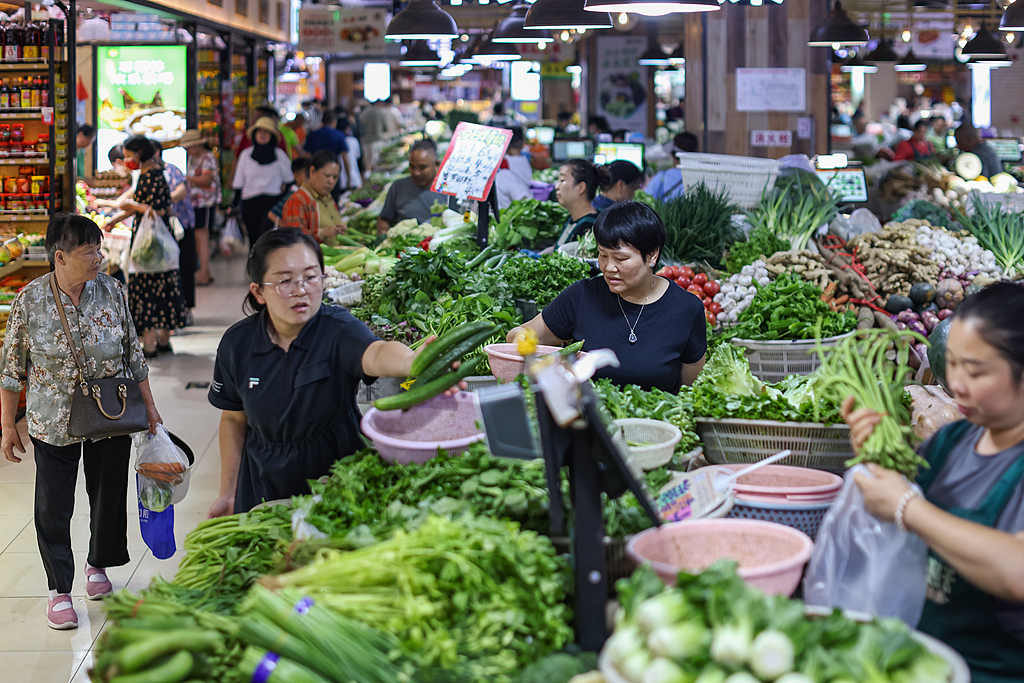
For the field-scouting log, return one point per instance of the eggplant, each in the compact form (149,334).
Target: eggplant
(907,317)
(944,313)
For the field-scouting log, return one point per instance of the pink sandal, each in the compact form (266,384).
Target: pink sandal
(60,613)
(97,585)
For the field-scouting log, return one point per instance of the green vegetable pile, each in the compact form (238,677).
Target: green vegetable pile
(698,225)
(373,187)
(727,389)
(999,230)
(790,308)
(798,205)
(527,222)
(632,401)
(713,626)
(761,242)
(923,209)
(542,279)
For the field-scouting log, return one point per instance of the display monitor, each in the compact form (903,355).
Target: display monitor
(1007,149)
(545,135)
(850,185)
(571,149)
(608,152)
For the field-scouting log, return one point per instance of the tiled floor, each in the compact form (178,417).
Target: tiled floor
(30,651)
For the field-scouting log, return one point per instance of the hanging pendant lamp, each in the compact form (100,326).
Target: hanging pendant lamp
(654,56)
(858,63)
(1013,18)
(422,20)
(883,52)
(910,62)
(838,30)
(565,14)
(419,54)
(496,52)
(677,58)
(984,44)
(990,62)
(512,29)
(652,8)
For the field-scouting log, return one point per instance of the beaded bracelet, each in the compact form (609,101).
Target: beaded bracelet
(902,506)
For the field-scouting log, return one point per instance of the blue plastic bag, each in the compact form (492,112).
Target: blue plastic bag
(157,528)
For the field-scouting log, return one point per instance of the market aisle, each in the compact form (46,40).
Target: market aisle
(30,650)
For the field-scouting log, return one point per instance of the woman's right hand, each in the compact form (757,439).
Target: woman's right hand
(862,423)
(222,507)
(12,440)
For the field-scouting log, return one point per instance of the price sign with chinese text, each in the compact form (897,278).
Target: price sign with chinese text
(471,162)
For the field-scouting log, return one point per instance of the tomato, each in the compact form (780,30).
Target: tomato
(708,301)
(686,272)
(700,279)
(684,282)
(710,317)
(666,272)
(696,291)
(715,307)
(712,288)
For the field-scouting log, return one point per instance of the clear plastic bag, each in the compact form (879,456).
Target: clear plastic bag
(231,238)
(865,565)
(163,470)
(154,249)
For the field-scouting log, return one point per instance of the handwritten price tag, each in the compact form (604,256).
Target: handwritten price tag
(472,161)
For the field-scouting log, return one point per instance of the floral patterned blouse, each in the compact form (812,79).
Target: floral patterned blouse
(36,349)
(204,197)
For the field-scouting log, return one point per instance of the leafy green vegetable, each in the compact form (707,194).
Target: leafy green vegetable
(698,225)
(922,209)
(997,229)
(527,222)
(798,205)
(542,279)
(761,242)
(558,668)
(790,308)
(632,401)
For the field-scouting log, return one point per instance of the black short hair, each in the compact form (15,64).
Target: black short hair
(115,153)
(601,123)
(632,224)
(922,123)
(141,144)
(322,158)
(517,136)
(328,118)
(686,142)
(498,108)
(87,130)
(564,115)
(584,171)
(67,232)
(269,112)
(427,146)
(300,165)
(623,170)
(267,244)
(998,313)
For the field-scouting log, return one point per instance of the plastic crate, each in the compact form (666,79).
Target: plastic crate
(773,361)
(481,381)
(528,309)
(749,441)
(745,178)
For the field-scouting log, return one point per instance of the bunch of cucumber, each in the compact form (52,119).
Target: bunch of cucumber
(432,367)
(170,650)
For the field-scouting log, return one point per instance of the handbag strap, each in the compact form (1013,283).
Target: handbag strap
(67,328)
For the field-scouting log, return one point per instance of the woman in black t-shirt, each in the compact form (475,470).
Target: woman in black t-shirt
(655,327)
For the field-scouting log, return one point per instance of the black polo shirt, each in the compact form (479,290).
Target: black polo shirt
(300,404)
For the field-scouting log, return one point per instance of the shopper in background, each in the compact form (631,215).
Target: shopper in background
(968,140)
(657,331)
(578,180)
(972,512)
(155,299)
(517,162)
(669,183)
(37,351)
(354,154)
(334,141)
(293,143)
(272,442)
(86,136)
(624,179)
(411,197)
(355,130)
(204,191)
(312,209)
(300,169)
(376,124)
(183,210)
(499,119)
(598,125)
(261,175)
(917,148)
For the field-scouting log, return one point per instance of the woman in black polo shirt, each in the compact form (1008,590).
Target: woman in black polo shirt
(655,327)
(286,377)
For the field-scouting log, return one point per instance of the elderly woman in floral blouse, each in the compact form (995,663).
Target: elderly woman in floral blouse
(37,350)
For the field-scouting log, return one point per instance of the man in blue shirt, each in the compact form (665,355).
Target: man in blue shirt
(330,138)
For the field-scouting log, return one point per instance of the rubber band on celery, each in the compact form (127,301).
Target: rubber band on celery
(265,668)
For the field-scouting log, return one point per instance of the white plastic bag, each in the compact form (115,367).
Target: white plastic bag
(154,249)
(231,237)
(163,469)
(862,564)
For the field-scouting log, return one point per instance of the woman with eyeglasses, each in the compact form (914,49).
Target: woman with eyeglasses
(286,377)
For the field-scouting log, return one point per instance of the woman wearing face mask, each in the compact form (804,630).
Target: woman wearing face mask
(578,180)
(312,209)
(261,174)
(623,182)
(655,328)
(286,377)
(972,512)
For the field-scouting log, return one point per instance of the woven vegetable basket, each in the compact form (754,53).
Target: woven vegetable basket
(749,441)
(661,436)
(773,361)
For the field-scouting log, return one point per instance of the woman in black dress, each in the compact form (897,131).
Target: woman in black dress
(155,299)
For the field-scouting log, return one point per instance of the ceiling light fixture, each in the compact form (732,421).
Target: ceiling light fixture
(990,62)
(838,31)
(565,14)
(419,54)
(858,63)
(984,44)
(512,29)
(652,8)
(422,20)
(654,56)
(883,52)
(910,62)
(1013,17)
(496,52)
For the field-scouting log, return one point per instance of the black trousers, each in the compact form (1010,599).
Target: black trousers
(254,215)
(106,482)
(187,264)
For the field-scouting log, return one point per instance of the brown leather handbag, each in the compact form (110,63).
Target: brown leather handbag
(101,408)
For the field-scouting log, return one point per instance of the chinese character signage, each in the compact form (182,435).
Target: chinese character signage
(472,160)
(324,29)
(771,138)
(622,83)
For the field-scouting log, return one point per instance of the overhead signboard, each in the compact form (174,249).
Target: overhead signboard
(329,29)
(771,90)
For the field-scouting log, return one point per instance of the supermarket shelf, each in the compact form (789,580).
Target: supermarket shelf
(21,264)
(19,217)
(24,66)
(33,114)
(34,161)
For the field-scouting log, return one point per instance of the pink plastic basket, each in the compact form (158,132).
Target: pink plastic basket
(771,556)
(786,484)
(507,363)
(414,435)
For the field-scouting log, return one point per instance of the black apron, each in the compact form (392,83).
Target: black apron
(956,612)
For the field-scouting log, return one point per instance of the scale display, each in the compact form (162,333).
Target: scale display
(849,184)
(1007,149)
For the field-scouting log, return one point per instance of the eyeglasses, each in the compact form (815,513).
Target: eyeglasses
(290,287)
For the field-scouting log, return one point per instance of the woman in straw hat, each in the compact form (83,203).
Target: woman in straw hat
(204,190)
(261,174)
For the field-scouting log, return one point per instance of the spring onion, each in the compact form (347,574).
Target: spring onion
(998,230)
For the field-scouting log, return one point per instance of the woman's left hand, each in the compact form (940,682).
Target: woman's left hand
(882,491)
(154,418)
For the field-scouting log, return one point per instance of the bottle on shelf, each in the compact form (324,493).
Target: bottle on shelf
(44,93)
(14,40)
(15,93)
(37,94)
(5,94)
(26,94)
(33,43)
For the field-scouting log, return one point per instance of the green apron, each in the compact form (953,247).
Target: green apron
(957,612)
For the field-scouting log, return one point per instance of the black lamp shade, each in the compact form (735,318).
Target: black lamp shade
(1013,17)
(652,8)
(858,63)
(677,57)
(654,56)
(991,62)
(910,62)
(419,54)
(496,52)
(565,14)
(883,52)
(512,29)
(984,44)
(838,30)
(422,20)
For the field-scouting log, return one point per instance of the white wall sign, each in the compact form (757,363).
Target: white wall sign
(324,29)
(771,138)
(803,128)
(771,90)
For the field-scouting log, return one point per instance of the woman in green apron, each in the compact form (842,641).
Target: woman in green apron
(972,512)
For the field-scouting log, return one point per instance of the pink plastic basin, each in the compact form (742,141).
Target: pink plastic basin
(414,435)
